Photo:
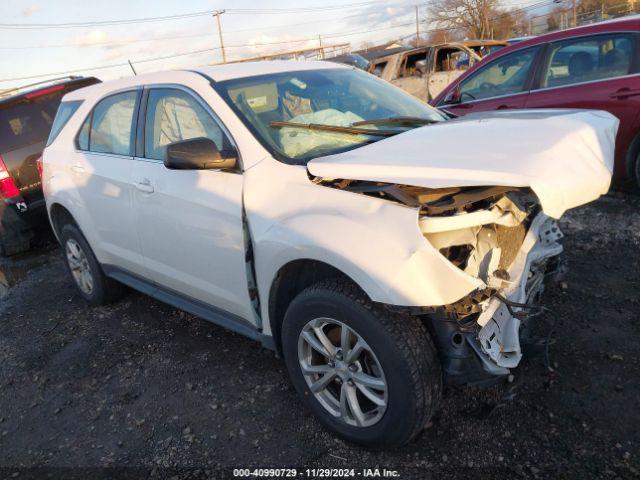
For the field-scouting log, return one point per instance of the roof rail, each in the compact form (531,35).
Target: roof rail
(14,91)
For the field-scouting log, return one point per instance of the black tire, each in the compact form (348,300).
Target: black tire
(10,247)
(105,290)
(400,342)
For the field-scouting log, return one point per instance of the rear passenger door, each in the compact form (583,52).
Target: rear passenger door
(189,222)
(102,177)
(596,71)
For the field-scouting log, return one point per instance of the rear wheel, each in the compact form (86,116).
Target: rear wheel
(369,375)
(92,283)
(15,236)
(13,246)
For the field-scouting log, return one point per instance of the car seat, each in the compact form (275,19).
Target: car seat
(580,65)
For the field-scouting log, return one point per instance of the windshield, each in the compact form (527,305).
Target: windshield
(278,107)
(27,122)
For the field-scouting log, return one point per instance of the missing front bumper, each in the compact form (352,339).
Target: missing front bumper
(490,326)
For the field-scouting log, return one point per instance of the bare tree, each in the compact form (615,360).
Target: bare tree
(473,17)
(555,18)
(436,37)
(510,23)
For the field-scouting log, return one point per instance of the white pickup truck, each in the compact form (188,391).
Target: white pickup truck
(374,243)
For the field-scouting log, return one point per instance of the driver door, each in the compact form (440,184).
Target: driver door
(189,222)
(503,83)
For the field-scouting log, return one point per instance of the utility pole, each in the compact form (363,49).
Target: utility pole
(417,28)
(217,14)
(321,49)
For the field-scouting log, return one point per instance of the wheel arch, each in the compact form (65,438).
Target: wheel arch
(291,279)
(59,216)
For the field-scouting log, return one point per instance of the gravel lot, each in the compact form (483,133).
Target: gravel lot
(139,384)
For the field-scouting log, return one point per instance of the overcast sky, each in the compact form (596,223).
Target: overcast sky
(34,51)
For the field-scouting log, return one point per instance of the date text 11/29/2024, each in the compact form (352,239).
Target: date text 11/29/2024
(315,473)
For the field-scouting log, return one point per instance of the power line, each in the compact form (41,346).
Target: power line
(280,11)
(227,32)
(105,44)
(173,37)
(181,54)
(103,22)
(128,21)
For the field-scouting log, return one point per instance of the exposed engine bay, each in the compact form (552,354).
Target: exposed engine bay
(496,234)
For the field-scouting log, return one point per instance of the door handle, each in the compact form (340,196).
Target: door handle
(77,168)
(624,93)
(504,107)
(144,186)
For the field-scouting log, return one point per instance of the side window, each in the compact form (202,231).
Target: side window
(588,59)
(65,111)
(379,68)
(112,124)
(504,76)
(448,59)
(411,64)
(174,115)
(82,140)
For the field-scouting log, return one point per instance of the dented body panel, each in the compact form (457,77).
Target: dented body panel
(566,159)
(396,251)
(377,243)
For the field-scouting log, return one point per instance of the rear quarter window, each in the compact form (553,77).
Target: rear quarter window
(65,112)
(27,121)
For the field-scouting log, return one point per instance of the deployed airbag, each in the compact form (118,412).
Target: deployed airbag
(296,142)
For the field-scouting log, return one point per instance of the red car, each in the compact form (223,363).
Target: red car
(594,66)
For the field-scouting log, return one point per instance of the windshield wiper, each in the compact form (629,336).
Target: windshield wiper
(391,120)
(335,128)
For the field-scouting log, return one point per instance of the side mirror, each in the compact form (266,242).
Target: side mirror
(454,97)
(198,154)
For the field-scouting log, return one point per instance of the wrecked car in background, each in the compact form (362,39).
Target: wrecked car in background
(328,215)
(425,71)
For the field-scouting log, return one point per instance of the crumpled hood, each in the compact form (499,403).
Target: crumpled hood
(564,156)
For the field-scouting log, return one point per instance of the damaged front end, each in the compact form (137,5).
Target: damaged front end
(498,235)
(501,237)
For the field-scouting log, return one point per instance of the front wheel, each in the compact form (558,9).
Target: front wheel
(368,374)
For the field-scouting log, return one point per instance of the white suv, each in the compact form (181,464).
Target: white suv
(371,241)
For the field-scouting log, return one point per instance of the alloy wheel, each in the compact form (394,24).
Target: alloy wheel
(79,266)
(342,372)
